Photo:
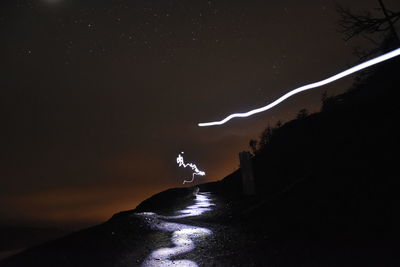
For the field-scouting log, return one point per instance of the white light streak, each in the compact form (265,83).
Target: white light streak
(183,236)
(331,79)
(194,168)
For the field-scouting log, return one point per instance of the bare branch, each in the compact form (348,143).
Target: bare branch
(351,24)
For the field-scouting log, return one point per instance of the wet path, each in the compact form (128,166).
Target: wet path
(183,235)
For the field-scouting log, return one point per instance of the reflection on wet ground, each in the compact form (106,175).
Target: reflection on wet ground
(183,235)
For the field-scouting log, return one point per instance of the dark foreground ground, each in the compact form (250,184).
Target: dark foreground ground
(126,240)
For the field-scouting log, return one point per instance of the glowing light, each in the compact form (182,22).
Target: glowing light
(52,2)
(196,171)
(331,79)
(182,235)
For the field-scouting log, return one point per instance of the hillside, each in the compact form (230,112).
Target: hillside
(327,195)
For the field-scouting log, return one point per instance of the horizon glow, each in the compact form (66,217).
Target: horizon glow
(196,171)
(331,79)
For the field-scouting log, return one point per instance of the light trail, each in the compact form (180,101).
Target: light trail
(194,168)
(184,237)
(331,79)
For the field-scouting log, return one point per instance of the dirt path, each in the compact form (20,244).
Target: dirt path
(183,237)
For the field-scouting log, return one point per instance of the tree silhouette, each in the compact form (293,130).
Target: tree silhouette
(368,25)
(327,101)
(265,138)
(253,145)
(302,114)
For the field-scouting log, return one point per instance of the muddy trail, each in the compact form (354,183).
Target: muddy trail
(184,234)
(205,229)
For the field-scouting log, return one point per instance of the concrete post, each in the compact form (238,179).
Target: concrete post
(246,167)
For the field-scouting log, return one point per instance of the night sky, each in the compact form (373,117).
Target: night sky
(98,97)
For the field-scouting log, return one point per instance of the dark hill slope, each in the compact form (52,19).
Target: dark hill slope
(327,184)
(124,240)
(337,170)
(327,195)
